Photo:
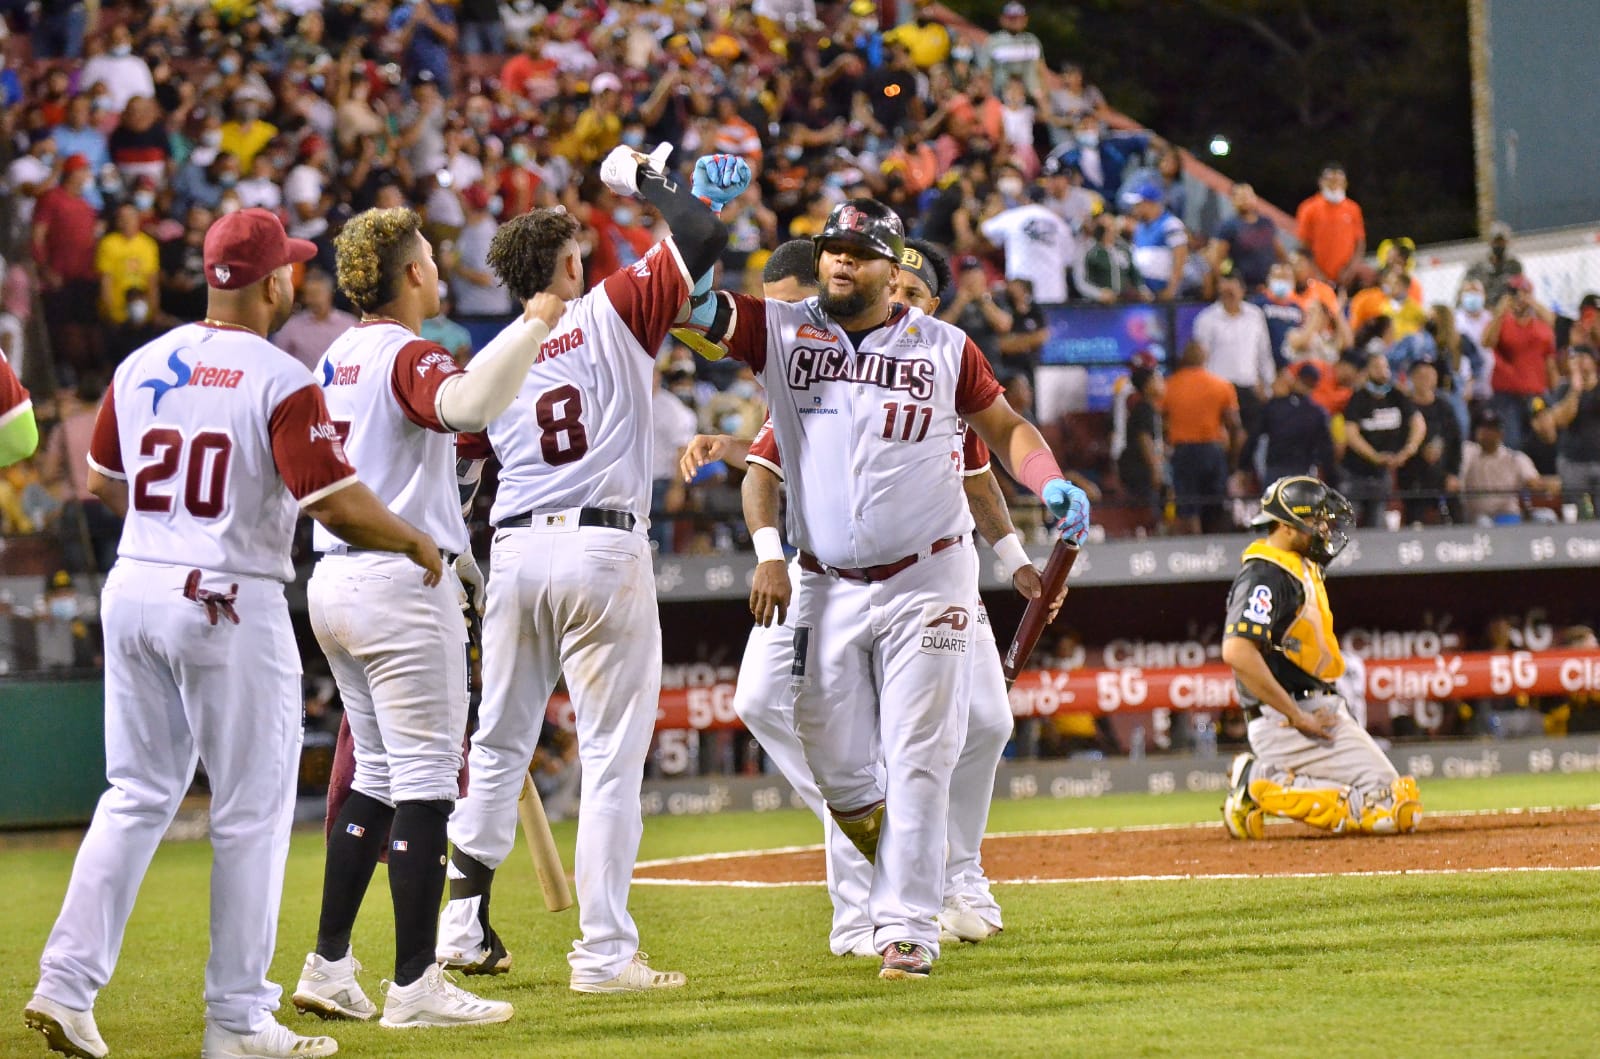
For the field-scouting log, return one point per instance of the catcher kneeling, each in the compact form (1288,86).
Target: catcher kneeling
(1310,760)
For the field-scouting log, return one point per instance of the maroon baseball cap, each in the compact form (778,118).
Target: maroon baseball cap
(243,247)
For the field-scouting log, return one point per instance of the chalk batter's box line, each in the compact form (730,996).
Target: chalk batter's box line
(706,858)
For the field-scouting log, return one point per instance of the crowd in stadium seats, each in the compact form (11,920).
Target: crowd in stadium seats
(131,125)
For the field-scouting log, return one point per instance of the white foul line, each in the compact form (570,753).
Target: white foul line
(746,884)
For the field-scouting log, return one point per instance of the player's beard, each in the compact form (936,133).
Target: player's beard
(843,306)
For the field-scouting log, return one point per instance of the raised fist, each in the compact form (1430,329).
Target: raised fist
(720,178)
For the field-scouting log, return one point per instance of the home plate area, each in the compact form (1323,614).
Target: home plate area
(1519,840)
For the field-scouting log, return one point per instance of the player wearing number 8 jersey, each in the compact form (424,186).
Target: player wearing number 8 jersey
(571,589)
(866,399)
(211,441)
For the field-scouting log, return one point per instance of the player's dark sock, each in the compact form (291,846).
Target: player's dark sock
(476,880)
(353,850)
(416,883)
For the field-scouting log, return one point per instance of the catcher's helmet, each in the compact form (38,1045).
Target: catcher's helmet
(1312,507)
(866,225)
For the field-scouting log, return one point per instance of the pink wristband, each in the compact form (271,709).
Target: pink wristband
(1039,467)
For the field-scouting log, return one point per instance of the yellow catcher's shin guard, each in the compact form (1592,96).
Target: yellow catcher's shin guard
(862,827)
(1407,804)
(1326,809)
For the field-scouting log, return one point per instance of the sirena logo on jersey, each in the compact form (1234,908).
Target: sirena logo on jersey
(184,375)
(945,630)
(565,342)
(809,365)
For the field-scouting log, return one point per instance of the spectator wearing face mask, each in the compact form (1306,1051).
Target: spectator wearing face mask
(262,188)
(1100,157)
(124,74)
(477,291)
(246,135)
(1494,272)
(1382,430)
(204,185)
(1331,226)
(127,260)
(1523,341)
(1391,298)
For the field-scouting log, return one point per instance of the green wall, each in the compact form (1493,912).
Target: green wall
(53,753)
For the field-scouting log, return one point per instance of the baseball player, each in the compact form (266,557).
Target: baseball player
(1309,760)
(762,699)
(19,433)
(572,591)
(210,442)
(397,650)
(867,398)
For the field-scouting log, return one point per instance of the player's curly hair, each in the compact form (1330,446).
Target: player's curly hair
(372,252)
(936,260)
(525,250)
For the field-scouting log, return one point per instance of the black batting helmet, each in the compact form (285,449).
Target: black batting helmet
(865,225)
(1312,507)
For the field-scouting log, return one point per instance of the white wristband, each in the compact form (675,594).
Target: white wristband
(769,546)
(1010,552)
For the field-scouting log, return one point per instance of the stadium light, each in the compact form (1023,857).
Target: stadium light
(1220,146)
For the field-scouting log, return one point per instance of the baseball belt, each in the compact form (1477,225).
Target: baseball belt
(871,574)
(345,549)
(588,516)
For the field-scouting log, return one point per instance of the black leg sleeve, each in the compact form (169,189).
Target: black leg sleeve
(699,234)
(353,850)
(477,879)
(416,884)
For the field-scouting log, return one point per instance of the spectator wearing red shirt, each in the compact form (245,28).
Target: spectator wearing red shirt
(1524,345)
(64,240)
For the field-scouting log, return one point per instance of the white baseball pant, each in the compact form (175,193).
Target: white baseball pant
(1348,757)
(397,649)
(580,602)
(887,665)
(178,690)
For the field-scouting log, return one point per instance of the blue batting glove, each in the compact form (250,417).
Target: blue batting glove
(720,178)
(1069,504)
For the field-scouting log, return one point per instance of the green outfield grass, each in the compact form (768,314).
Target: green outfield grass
(1395,966)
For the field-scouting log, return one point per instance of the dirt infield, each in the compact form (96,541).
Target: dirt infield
(1562,838)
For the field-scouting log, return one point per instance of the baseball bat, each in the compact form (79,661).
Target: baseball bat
(542,848)
(1034,619)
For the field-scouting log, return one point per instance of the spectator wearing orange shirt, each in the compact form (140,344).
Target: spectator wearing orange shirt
(1204,430)
(735,135)
(1309,288)
(1330,225)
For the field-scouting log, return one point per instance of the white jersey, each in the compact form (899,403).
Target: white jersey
(579,433)
(218,432)
(870,435)
(382,383)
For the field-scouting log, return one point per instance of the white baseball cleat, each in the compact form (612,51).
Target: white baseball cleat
(65,1030)
(436,1000)
(862,947)
(277,1041)
(328,989)
(959,922)
(637,976)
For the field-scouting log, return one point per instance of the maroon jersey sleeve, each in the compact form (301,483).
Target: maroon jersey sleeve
(306,448)
(974,453)
(420,368)
(977,387)
(474,446)
(105,447)
(648,294)
(764,450)
(13,395)
(747,331)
